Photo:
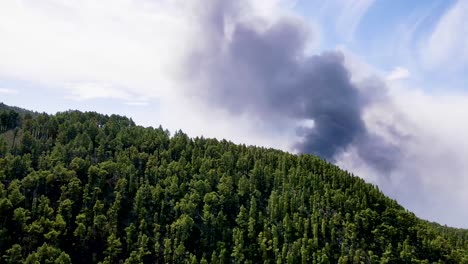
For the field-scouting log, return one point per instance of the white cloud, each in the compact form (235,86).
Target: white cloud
(8,91)
(138,45)
(130,43)
(430,178)
(399,73)
(196,118)
(137,103)
(89,90)
(447,46)
(129,51)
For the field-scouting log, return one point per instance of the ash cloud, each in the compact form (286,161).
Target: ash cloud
(260,68)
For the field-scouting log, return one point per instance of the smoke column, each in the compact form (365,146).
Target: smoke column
(251,66)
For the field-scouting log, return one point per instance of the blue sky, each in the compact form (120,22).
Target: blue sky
(385,34)
(126,56)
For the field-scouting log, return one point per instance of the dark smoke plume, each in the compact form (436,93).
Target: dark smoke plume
(264,71)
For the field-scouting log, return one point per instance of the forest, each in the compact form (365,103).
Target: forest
(81,187)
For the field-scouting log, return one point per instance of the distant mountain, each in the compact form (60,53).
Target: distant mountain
(91,188)
(19,110)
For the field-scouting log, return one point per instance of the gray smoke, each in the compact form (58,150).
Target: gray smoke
(249,68)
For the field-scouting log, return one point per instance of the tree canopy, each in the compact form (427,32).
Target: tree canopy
(91,188)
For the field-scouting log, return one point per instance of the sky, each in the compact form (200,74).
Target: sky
(376,87)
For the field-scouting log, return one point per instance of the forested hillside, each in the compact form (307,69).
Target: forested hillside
(89,188)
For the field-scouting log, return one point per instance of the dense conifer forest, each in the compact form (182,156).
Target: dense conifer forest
(89,188)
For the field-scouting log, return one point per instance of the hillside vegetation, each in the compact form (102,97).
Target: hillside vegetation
(89,188)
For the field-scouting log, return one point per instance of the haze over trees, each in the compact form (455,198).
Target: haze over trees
(90,188)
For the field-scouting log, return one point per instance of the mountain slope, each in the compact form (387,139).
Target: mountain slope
(88,188)
(19,110)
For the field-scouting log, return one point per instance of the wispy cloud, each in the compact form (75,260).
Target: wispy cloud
(137,103)
(80,91)
(447,46)
(91,90)
(352,12)
(399,73)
